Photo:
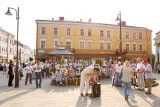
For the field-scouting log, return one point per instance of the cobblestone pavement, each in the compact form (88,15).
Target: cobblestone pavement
(68,96)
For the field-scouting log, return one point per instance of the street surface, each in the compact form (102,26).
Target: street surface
(68,96)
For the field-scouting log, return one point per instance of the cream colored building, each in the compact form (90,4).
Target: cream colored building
(157,47)
(6,46)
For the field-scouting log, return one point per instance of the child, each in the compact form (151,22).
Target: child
(58,75)
(53,78)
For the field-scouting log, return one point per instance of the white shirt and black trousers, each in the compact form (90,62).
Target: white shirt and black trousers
(38,74)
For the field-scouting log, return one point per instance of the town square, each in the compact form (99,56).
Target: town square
(79,53)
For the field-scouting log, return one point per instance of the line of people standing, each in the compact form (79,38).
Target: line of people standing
(143,72)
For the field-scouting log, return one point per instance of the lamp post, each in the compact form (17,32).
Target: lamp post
(119,19)
(17,18)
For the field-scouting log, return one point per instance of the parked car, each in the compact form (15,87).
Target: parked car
(1,67)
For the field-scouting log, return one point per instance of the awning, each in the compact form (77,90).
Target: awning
(60,52)
(41,57)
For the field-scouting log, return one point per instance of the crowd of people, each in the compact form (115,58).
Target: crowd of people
(80,74)
(129,74)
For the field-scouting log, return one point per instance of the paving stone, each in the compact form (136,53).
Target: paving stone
(68,96)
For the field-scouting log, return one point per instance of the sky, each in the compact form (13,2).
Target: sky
(141,13)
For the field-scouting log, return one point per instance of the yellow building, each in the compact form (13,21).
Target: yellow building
(92,42)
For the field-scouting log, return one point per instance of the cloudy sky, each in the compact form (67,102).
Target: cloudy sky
(141,13)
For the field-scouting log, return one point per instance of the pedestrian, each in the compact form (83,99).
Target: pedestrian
(38,73)
(126,73)
(46,68)
(117,70)
(148,76)
(11,74)
(4,68)
(85,77)
(140,74)
(28,69)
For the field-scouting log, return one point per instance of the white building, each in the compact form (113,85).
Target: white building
(24,52)
(6,46)
(27,53)
(157,46)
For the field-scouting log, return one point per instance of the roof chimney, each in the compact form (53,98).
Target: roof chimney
(61,18)
(89,20)
(80,20)
(52,18)
(123,23)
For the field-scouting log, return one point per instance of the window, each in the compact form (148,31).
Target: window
(43,44)
(89,33)
(0,38)
(119,45)
(149,37)
(140,36)
(101,34)
(10,50)
(68,31)
(81,45)
(55,43)
(89,45)
(149,48)
(108,46)
(43,30)
(101,46)
(108,34)
(0,48)
(134,35)
(68,45)
(134,47)
(140,47)
(127,46)
(127,35)
(55,31)
(82,32)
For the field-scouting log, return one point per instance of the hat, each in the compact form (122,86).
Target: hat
(119,62)
(144,61)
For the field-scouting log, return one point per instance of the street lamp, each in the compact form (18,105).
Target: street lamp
(17,18)
(119,19)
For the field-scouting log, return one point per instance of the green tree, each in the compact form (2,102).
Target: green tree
(30,59)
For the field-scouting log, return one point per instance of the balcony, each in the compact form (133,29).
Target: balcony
(118,52)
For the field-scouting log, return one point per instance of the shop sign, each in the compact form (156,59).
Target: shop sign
(41,51)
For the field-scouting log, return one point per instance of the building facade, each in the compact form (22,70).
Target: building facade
(92,42)
(24,52)
(6,46)
(157,47)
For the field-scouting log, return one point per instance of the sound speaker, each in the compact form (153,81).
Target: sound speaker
(96,90)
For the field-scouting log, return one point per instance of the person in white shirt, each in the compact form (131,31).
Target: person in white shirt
(85,77)
(117,70)
(148,75)
(140,74)
(28,69)
(38,73)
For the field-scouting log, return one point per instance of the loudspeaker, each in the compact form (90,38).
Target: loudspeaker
(96,90)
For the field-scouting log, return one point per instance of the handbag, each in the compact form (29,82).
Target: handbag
(21,74)
(120,75)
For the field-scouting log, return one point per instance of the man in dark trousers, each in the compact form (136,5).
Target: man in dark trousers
(11,74)
(38,73)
